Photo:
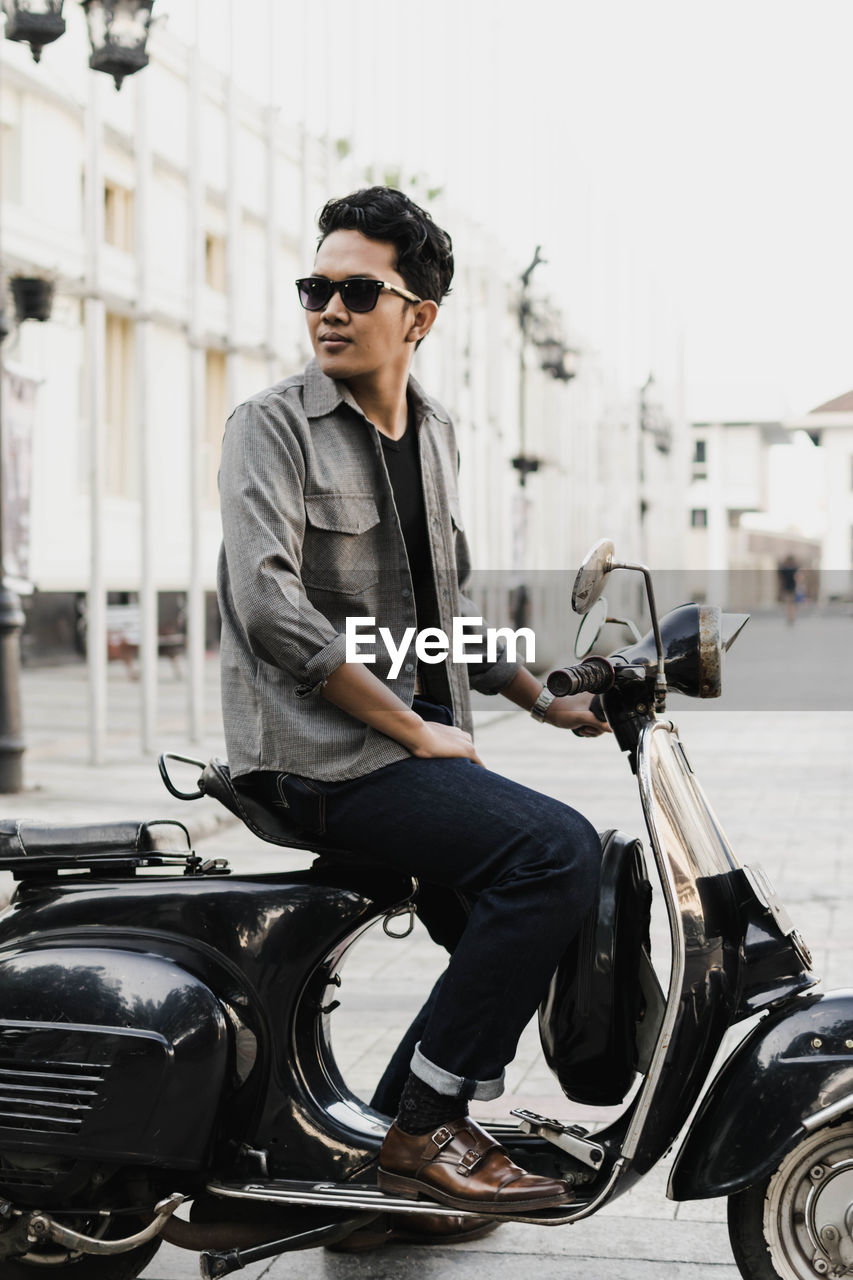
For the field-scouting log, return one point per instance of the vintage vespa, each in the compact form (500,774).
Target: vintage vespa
(165,1026)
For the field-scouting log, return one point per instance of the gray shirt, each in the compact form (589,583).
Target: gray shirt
(311,537)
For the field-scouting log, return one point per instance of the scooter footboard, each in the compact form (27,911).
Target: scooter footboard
(793,1072)
(106,1055)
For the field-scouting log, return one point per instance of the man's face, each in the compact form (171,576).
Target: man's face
(351,345)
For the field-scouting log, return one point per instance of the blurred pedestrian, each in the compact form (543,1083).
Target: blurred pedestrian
(788,572)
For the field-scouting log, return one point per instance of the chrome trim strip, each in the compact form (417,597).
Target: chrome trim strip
(345,1196)
(676,978)
(827,1114)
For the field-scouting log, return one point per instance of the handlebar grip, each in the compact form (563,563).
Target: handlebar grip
(593,675)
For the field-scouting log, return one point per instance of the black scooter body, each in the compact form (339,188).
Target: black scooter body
(172,1022)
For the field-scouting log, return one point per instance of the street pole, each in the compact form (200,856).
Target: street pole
(195,593)
(148,628)
(95,322)
(523,465)
(11,625)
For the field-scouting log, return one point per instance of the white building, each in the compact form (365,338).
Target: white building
(174,217)
(740,520)
(830,427)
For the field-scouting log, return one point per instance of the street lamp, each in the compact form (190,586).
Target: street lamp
(118,31)
(557,359)
(33,296)
(34,22)
(653,419)
(524,465)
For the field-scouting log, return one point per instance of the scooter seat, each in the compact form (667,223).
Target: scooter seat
(36,840)
(31,849)
(266,823)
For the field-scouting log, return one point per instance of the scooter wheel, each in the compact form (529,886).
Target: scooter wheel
(796,1225)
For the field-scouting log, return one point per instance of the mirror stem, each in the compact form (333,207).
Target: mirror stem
(660,679)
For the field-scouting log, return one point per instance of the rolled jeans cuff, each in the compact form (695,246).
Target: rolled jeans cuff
(455,1086)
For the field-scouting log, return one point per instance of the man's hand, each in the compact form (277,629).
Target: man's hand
(358,692)
(433,741)
(566,713)
(573,713)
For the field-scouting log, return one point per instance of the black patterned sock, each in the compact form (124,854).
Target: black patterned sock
(423,1108)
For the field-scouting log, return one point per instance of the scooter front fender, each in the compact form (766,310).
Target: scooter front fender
(791,1074)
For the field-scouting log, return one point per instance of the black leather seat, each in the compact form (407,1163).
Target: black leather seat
(37,840)
(269,824)
(32,848)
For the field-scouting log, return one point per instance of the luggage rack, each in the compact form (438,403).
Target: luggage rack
(32,850)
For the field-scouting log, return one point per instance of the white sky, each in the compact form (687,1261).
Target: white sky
(686,166)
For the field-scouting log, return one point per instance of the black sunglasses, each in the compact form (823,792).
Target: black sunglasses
(359,293)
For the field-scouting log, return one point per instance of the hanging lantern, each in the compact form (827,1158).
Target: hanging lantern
(34,22)
(557,359)
(33,297)
(118,31)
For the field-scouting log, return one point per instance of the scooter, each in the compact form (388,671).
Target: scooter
(166,1064)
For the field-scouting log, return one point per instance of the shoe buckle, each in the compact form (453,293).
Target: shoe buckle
(469,1161)
(441,1137)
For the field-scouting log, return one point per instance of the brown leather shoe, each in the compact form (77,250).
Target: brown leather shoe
(415,1228)
(459,1165)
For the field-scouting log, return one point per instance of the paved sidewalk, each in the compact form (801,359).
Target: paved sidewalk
(782,786)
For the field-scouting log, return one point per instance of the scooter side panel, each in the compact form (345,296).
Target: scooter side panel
(268,936)
(795,1063)
(107,1055)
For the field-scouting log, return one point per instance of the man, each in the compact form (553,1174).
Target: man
(339,503)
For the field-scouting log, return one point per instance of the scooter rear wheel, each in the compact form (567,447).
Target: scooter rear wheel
(796,1225)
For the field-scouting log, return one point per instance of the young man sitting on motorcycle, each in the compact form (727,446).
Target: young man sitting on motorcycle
(340,505)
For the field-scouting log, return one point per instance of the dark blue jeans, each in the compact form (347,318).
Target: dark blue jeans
(526,866)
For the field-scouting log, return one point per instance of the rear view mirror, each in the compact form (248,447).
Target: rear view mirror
(591,576)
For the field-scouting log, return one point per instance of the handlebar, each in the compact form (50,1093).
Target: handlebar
(593,675)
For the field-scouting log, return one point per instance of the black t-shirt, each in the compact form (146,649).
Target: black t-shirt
(404,472)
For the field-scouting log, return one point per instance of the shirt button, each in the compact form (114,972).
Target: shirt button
(410,666)
(406,593)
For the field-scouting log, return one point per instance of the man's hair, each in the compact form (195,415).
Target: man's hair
(424,251)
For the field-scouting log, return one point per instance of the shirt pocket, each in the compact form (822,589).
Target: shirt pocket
(340,551)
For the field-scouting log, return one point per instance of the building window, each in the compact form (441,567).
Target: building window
(214,262)
(122,470)
(118,216)
(699,518)
(215,401)
(700,460)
